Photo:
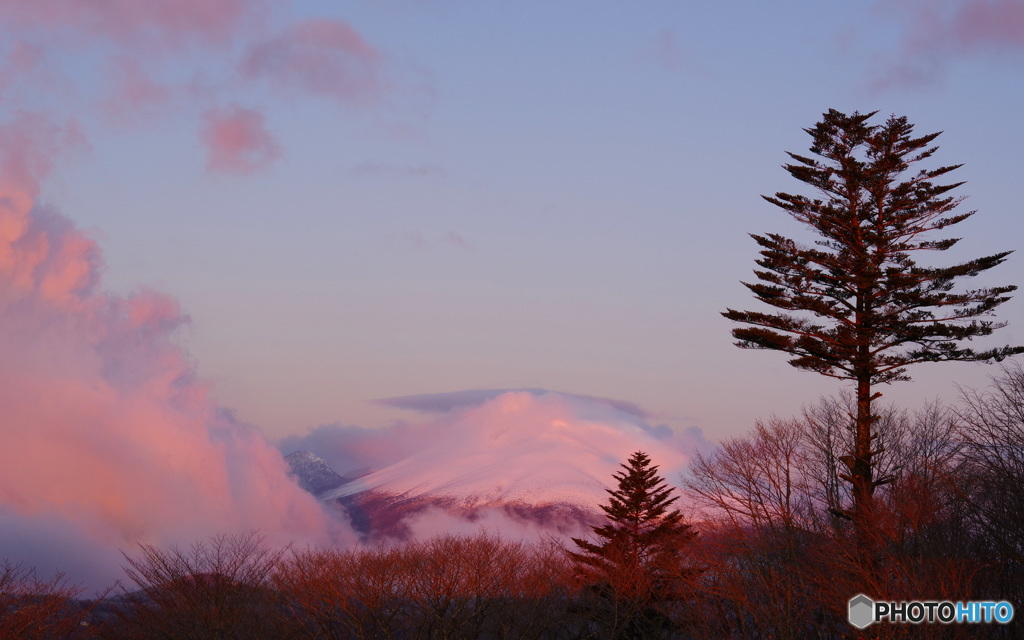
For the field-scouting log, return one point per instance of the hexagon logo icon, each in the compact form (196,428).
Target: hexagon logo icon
(862,611)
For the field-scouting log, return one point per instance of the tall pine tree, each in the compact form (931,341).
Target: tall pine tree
(855,305)
(637,564)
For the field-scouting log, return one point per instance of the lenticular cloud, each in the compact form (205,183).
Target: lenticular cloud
(107,438)
(501,445)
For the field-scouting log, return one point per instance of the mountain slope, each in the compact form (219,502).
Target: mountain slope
(520,453)
(313,472)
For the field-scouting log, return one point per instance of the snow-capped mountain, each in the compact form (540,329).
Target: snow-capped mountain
(313,472)
(532,457)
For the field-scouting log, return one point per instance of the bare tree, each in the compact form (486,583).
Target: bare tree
(340,594)
(991,479)
(758,504)
(992,427)
(217,589)
(34,608)
(446,587)
(782,563)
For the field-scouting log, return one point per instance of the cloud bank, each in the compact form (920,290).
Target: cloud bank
(108,438)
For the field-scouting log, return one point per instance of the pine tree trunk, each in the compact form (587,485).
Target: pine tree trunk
(863,482)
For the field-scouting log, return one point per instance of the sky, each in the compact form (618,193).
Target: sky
(231,224)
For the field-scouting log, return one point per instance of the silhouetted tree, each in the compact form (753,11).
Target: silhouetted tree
(218,588)
(455,587)
(638,564)
(856,305)
(780,564)
(758,507)
(34,608)
(991,424)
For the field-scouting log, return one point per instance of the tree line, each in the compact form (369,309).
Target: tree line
(762,551)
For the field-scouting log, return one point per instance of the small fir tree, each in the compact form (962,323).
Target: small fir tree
(637,565)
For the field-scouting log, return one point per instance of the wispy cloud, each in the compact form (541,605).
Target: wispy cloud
(934,35)
(446,402)
(416,239)
(157,25)
(236,140)
(456,240)
(666,51)
(189,58)
(134,92)
(322,57)
(669,51)
(370,168)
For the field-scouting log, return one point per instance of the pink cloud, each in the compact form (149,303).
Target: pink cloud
(990,23)
(456,240)
(236,141)
(134,90)
(28,147)
(22,60)
(665,50)
(352,448)
(933,35)
(149,52)
(166,24)
(321,57)
(108,437)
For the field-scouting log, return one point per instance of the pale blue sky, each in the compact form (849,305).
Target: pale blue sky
(545,195)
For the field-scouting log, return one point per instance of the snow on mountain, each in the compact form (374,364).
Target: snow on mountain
(313,472)
(518,449)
